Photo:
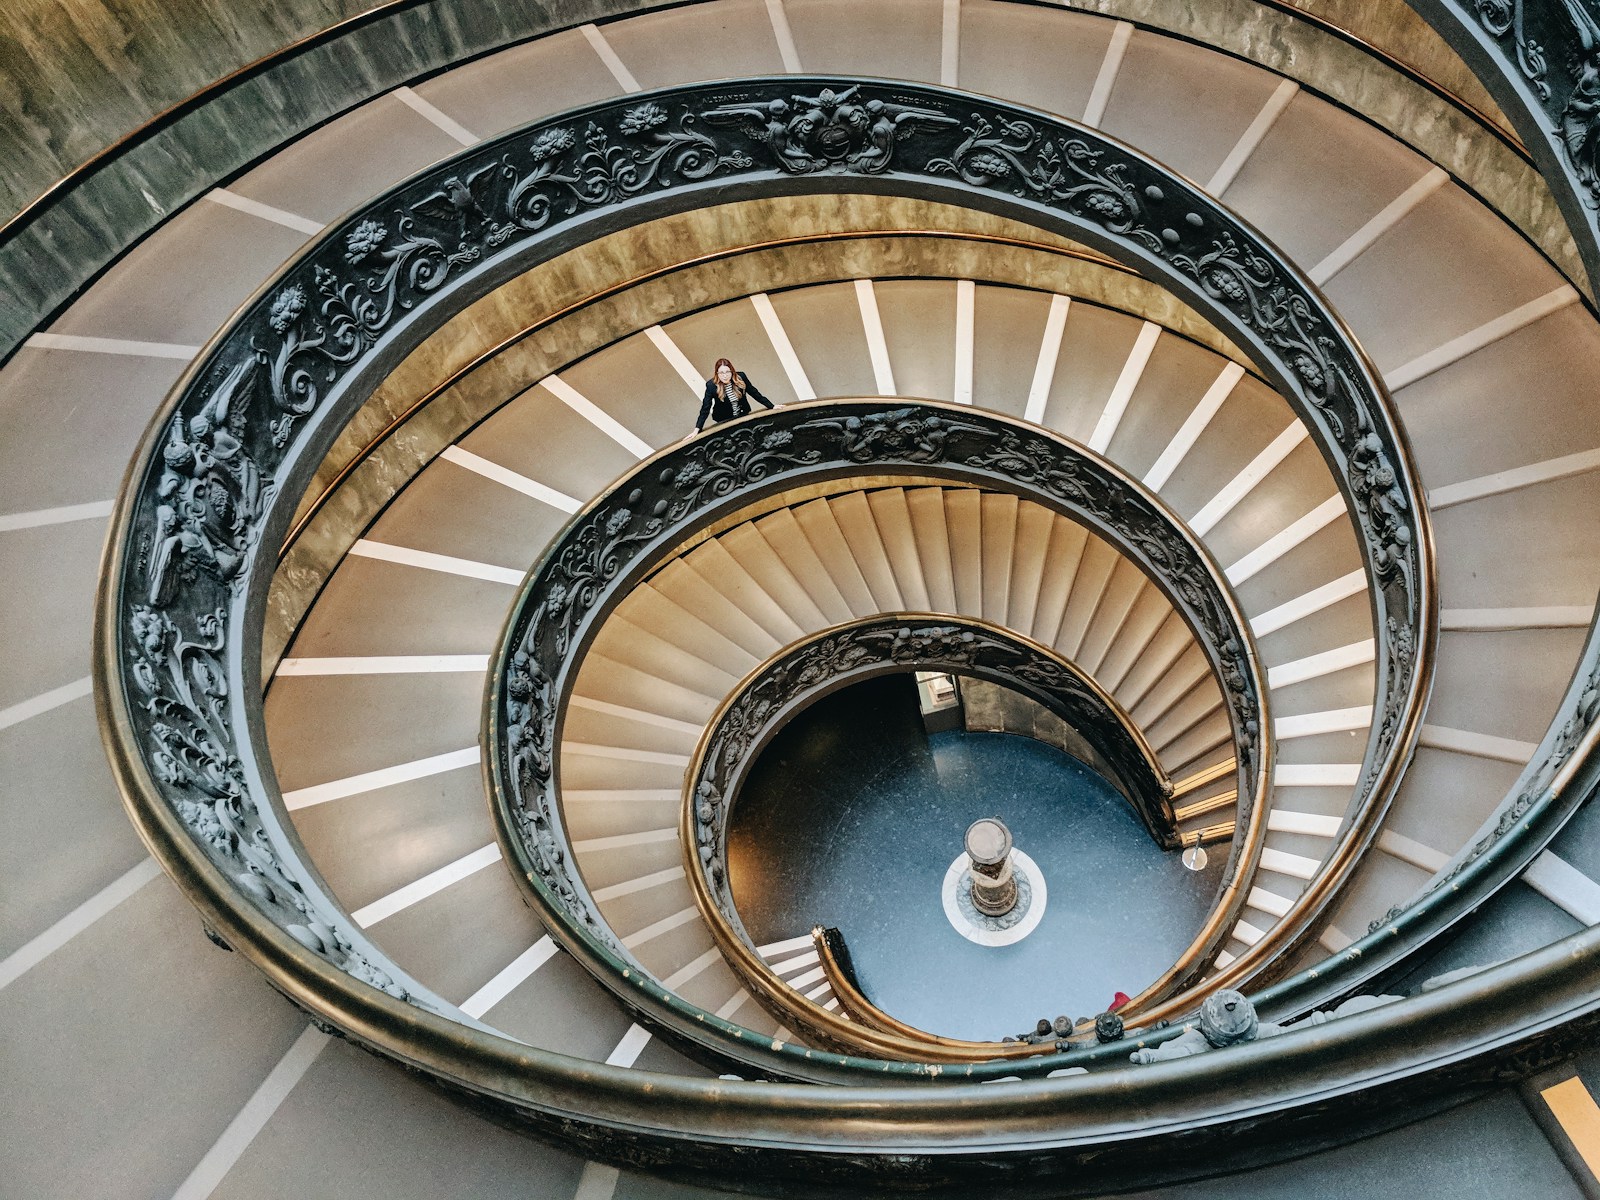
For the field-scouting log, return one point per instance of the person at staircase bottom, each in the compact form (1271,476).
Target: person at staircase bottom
(728,395)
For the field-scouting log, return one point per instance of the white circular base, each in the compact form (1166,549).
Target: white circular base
(966,920)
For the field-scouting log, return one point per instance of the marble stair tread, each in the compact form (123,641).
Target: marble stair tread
(789,541)
(820,526)
(715,563)
(891,512)
(997,515)
(682,582)
(644,649)
(858,526)
(697,633)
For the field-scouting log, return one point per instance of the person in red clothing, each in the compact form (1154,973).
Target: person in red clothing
(728,395)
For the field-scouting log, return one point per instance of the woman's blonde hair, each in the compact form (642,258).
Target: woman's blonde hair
(734,381)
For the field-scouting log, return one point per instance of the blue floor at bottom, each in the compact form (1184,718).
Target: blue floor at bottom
(853,815)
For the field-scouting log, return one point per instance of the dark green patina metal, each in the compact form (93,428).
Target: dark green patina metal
(178,641)
(1540,59)
(625,534)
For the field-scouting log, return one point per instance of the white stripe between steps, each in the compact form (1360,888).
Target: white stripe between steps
(55,516)
(629,1048)
(430,884)
(1312,824)
(643,883)
(790,965)
(626,754)
(511,479)
(1248,479)
(1279,544)
(656,928)
(1474,340)
(598,1181)
(264,212)
(608,55)
(253,1117)
(677,359)
(1334,940)
(1516,478)
(1574,616)
(40,947)
(1386,219)
(1268,902)
(1280,862)
(443,563)
(368,781)
(38,705)
(1127,383)
(781,345)
(1193,426)
(1336,720)
(596,416)
(1313,601)
(877,346)
(1559,882)
(637,714)
(966,315)
(1314,666)
(784,36)
(622,841)
(436,117)
(509,978)
(949,43)
(1315,774)
(1106,79)
(785,946)
(1479,745)
(1044,368)
(1252,137)
(1406,850)
(621,796)
(101,345)
(394,664)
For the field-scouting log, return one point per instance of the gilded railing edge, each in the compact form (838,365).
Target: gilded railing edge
(235,370)
(889,1036)
(539,857)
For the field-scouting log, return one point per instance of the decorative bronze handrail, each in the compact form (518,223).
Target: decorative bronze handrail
(183,590)
(465,371)
(833,957)
(621,537)
(1550,100)
(776,691)
(220,87)
(31,220)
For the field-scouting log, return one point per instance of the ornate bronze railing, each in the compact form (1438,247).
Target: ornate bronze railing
(833,958)
(1540,60)
(621,537)
(96,211)
(775,692)
(183,589)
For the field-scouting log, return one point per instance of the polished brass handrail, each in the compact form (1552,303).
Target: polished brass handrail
(268,396)
(834,959)
(709,765)
(479,360)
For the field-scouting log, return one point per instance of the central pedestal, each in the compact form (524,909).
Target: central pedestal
(1018,922)
(994,885)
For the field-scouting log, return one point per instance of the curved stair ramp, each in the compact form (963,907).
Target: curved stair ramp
(396,649)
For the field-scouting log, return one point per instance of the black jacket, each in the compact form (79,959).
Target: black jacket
(725,410)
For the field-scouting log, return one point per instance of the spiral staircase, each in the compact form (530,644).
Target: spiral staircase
(143,1060)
